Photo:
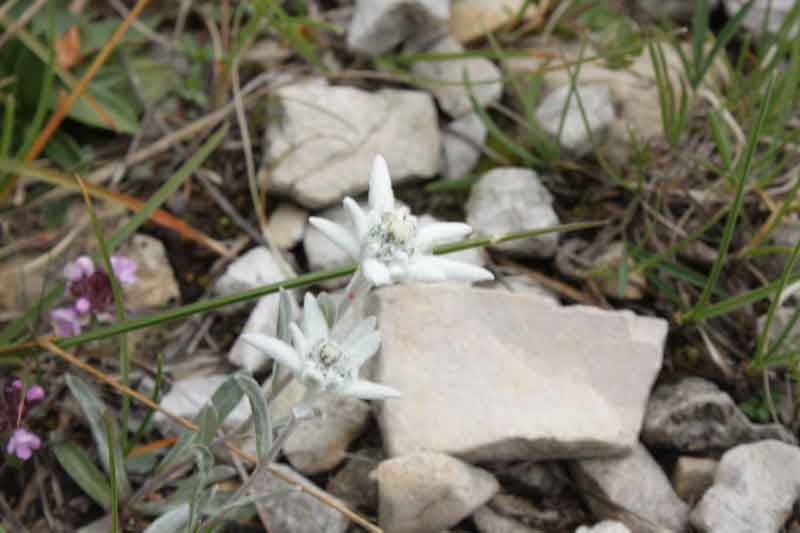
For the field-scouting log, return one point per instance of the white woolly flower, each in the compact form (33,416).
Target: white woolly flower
(327,361)
(388,243)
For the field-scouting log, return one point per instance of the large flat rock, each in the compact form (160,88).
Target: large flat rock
(321,143)
(492,375)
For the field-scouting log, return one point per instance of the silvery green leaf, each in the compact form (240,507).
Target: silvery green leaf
(184,489)
(178,452)
(208,422)
(171,521)
(285,316)
(258,403)
(247,500)
(328,307)
(204,460)
(226,398)
(114,451)
(82,471)
(94,409)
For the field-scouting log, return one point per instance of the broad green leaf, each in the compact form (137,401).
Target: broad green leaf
(82,471)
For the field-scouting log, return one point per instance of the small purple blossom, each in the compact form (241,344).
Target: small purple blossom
(65,322)
(82,267)
(34,394)
(124,268)
(22,444)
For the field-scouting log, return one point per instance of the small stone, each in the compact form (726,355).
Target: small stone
(489,521)
(606,526)
(510,199)
(597,113)
(755,487)
(380,25)
(353,482)
(319,443)
(462,141)
(532,513)
(291,510)
(322,146)
(188,396)
(253,269)
(694,415)
(764,15)
(537,381)
(429,491)
(471,19)
(630,488)
(692,476)
(287,225)
(446,78)
(155,285)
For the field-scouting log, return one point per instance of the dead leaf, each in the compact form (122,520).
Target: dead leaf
(68,48)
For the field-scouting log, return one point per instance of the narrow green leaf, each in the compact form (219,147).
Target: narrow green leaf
(740,300)
(82,471)
(112,456)
(204,460)
(178,452)
(742,174)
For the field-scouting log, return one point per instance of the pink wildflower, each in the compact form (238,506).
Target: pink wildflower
(22,444)
(124,268)
(65,322)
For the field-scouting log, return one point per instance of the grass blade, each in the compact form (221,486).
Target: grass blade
(743,172)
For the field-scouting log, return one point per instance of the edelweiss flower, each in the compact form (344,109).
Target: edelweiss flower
(388,244)
(326,361)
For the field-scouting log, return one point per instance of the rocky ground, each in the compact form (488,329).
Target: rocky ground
(575,392)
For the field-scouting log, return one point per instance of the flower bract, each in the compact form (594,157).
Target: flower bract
(388,243)
(325,360)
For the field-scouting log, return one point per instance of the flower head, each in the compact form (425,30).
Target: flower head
(91,286)
(325,360)
(65,322)
(22,444)
(388,243)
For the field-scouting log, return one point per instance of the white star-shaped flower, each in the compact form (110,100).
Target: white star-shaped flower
(325,360)
(388,244)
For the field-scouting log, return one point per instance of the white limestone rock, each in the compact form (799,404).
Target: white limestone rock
(510,199)
(765,15)
(446,78)
(156,286)
(488,375)
(380,25)
(428,491)
(255,268)
(755,487)
(694,415)
(632,489)
(606,526)
(321,146)
(462,141)
(576,130)
(287,225)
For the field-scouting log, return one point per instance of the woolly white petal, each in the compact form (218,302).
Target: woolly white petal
(421,269)
(438,233)
(381,197)
(314,325)
(376,272)
(458,271)
(363,349)
(357,216)
(277,349)
(338,235)
(362,329)
(367,390)
(301,343)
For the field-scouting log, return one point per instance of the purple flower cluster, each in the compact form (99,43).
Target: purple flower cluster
(90,287)
(13,410)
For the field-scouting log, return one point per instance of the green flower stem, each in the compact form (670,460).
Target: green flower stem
(210,304)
